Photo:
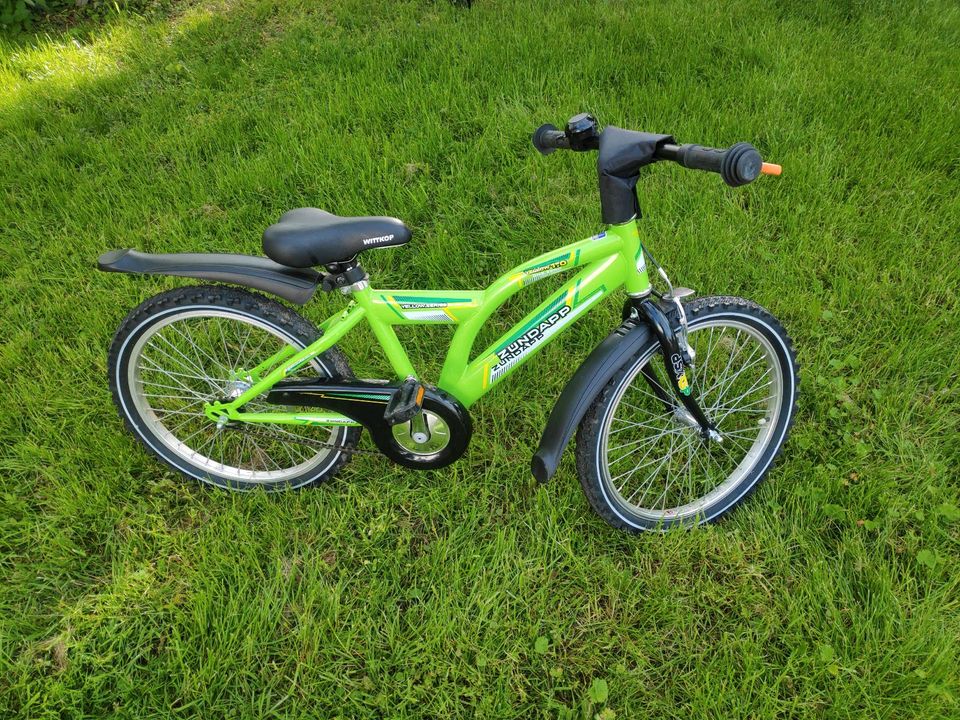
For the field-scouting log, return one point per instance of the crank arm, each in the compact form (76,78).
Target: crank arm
(673,363)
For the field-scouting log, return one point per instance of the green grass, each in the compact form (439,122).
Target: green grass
(468,592)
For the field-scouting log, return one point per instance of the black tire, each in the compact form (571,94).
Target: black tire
(221,305)
(771,419)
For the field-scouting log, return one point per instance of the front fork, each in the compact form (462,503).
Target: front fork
(677,355)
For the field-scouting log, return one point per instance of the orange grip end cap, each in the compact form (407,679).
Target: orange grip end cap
(770,169)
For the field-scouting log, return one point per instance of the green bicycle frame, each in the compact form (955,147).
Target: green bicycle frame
(604,262)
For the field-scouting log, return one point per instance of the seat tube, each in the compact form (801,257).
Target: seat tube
(637,282)
(384,332)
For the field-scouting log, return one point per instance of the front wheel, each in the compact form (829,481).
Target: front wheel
(642,461)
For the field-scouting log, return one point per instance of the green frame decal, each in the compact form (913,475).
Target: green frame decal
(423,307)
(604,263)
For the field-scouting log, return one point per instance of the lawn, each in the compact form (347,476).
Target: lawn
(472,591)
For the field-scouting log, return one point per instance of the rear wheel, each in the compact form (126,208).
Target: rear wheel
(642,461)
(187,347)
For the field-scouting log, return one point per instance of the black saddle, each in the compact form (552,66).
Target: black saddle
(307,236)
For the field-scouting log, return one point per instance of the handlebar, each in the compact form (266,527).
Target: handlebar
(737,165)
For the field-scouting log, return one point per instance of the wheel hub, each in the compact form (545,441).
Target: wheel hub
(236,388)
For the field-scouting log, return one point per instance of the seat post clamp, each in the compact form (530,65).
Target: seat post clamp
(346,279)
(359,285)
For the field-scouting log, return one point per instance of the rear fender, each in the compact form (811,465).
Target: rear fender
(294,284)
(581,390)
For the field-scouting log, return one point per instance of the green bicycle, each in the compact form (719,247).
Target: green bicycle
(681,410)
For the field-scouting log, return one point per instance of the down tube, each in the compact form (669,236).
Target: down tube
(539,328)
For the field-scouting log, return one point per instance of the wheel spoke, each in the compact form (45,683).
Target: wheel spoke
(189,361)
(726,380)
(188,336)
(647,393)
(627,474)
(740,433)
(192,414)
(192,393)
(722,399)
(194,400)
(722,379)
(651,445)
(223,342)
(722,394)
(706,362)
(666,459)
(666,487)
(243,346)
(634,426)
(743,407)
(175,377)
(253,356)
(646,440)
(160,369)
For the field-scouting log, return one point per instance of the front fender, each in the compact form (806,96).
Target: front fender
(294,284)
(581,390)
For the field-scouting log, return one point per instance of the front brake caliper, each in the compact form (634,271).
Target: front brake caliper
(679,326)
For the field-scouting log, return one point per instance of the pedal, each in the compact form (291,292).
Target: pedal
(405,403)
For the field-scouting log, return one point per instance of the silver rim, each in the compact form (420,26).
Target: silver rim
(654,461)
(191,357)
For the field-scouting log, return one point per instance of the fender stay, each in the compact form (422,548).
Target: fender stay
(294,284)
(580,391)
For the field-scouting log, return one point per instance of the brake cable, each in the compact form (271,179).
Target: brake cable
(688,351)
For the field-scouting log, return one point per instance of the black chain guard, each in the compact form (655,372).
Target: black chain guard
(365,402)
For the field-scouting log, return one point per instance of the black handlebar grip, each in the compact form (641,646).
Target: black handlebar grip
(697,157)
(548,138)
(737,165)
(741,164)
